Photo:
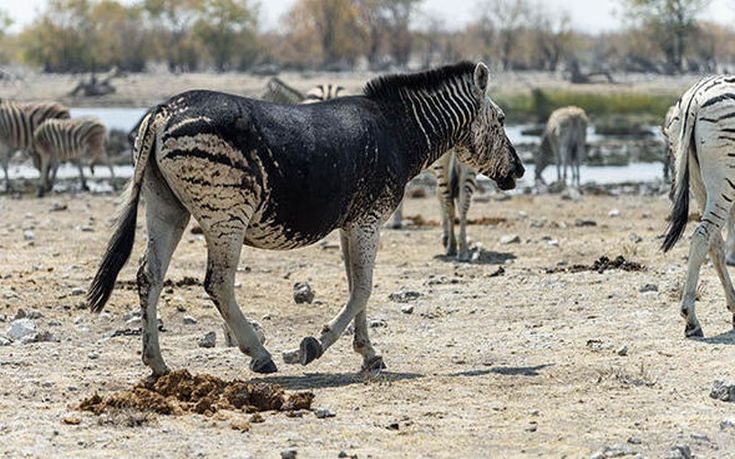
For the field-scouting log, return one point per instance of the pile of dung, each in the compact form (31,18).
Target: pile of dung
(600,265)
(179,393)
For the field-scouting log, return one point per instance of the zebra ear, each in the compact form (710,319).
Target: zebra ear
(482,76)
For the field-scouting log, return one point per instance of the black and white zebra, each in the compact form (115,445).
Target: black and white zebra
(700,133)
(18,122)
(565,142)
(280,177)
(76,139)
(324,92)
(278,91)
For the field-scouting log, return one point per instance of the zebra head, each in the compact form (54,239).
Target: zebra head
(487,147)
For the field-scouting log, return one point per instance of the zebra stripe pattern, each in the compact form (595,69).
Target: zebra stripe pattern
(18,122)
(324,92)
(705,162)
(60,140)
(278,91)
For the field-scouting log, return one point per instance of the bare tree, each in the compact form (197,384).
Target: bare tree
(670,22)
(507,18)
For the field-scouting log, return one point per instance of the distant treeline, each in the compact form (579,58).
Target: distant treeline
(661,36)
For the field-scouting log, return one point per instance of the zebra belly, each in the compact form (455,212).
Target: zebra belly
(266,230)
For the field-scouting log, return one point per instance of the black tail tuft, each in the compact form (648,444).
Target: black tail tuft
(679,212)
(117,254)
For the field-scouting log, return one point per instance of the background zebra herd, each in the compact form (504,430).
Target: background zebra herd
(47,133)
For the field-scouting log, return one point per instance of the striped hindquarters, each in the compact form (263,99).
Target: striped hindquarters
(71,138)
(324,92)
(18,121)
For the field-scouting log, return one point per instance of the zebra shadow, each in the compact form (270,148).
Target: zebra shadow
(506,371)
(334,380)
(481,257)
(727,338)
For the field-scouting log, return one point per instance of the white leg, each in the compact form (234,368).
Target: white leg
(5,159)
(166,220)
(730,245)
(467,188)
(362,246)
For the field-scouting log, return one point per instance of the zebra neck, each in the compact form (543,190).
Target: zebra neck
(440,118)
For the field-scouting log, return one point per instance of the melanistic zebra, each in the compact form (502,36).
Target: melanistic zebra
(700,133)
(565,140)
(18,121)
(58,140)
(276,176)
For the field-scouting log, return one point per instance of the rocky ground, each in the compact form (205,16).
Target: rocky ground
(520,353)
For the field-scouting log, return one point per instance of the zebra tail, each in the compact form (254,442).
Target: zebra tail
(121,244)
(680,207)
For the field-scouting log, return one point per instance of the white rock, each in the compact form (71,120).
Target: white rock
(614,213)
(322,413)
(189,320)
(208,340)
(21,328)
(510,239)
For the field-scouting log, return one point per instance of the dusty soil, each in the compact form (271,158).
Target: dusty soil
(516,362)
(146,89)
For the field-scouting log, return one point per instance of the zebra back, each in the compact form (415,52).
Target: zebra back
(70,138)
(279,92)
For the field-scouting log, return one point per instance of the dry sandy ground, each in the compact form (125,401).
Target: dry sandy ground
(484,366)
(144,90)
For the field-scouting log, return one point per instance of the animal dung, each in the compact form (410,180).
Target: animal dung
(179,392)
(303,293)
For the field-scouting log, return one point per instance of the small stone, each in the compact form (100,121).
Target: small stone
(407,309)
(553,242)
(5,341)
(393,426)
(58,206)
(633,440)
(680,452)
(208,340)
(87,229)
(322,413)
(302,293)
(537,223)
(77,291)
(189,320)
(617,450)
(21,328)
(257,418)
(72,420)
(648,288)
(288,453)
(571,194)
(728,423)
(134,322)
(92,356)
(10,295)
(378,323)
(724,391)
(28,235)
(701,437)
(534,412)
(622,351)
(581,222)
(404,296)
(240,424)
(20,314)
(635,238)
(614,213)
(510,239)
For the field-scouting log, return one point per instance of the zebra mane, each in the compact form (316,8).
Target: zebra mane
(390,86)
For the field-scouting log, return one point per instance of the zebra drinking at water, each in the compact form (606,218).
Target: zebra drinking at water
(284,176)
(58,140)
(699,133)
(18,122)
(565,140)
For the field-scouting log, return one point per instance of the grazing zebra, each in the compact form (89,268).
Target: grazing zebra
(59,140)
(275,176)
(564,139)
(278,91)
(699,132)
(18,121)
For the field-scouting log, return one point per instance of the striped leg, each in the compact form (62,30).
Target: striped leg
(466,189)
(730,245)
(362,242)
(166,220)
(5,159)
(443,169)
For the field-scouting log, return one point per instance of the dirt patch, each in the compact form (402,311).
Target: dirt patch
(418,220)
(185,281)
(600,265)
(486,221)
(179,393)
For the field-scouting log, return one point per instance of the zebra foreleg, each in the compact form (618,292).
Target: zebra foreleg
(362,245)
(166,220)
(5,159)
(467,188)
(730,244)
(81,175)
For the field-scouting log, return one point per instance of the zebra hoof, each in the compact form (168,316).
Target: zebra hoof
(464,257)
(373,365)
(693,331)
(309,350)
(730,259)
(265,368)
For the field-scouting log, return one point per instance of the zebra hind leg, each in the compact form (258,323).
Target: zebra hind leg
(396,221)
(166,220)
